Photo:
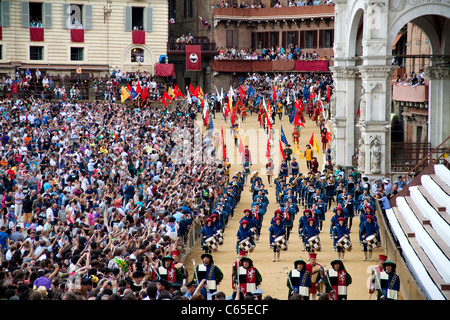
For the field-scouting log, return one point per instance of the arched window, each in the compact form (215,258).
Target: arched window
(137,55)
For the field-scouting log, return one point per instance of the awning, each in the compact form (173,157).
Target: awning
(397,37)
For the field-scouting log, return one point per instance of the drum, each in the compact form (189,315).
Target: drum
(211,243)
(245,245)
(314,242)
(219,237)
(280,242)
(372,241)
(345,243)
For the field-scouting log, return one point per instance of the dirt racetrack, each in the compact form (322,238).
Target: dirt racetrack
(273,273)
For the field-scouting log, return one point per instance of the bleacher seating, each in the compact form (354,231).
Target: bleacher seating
(420,223)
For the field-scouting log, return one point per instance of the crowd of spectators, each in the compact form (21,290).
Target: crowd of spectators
(95,195)
(292,52)
(413,79)
(275,4)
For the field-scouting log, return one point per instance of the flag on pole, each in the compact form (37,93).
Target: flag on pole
(144,94)
(171,93)
(283,137)
(281,150)
(224,153)
(297,150)
(178,92)
(297,120)
(268,147)
(241,146)
(314,144)
(166,99)
(124,94)
(138,88)
(328,93)
(274,96)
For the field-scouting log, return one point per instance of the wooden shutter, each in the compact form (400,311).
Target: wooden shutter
(254,44)
(284,37)
(314,36)
(47,15)
(128,26)
(25,15)
(296,42)
(6,21)
(302,42)
(87,24)
(66,15)
(321,38)
(149,19)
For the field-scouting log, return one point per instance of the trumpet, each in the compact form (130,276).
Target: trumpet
(327,175)
(294,182)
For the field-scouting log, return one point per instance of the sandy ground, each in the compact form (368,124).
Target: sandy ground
(273,273)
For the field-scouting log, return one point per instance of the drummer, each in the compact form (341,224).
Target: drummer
(276,230)
(311,230)
(243,233)
(302,223)
(207,232)
(341,230)
(370,228)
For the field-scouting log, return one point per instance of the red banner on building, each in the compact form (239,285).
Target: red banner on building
(193,57)
(36,34)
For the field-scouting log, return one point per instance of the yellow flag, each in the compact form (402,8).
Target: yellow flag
(297,150)
(316,146)
(124,95)
(171,93)
(244,140)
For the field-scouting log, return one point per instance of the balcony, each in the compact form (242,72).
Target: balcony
(282,14)
(174,48)
(410,94)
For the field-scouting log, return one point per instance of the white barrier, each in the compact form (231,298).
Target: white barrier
(440,225)
(443,173)
(413,262)
(436,191)
(439,260)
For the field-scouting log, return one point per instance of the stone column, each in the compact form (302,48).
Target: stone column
(343,113)
(375,122)
(438,103)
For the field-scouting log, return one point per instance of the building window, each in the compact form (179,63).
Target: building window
(309,39)
(36,53)
(35,14)
(188,8)
(137,55)
(137,18)
(76,54)
(232,38)
(328,38)
(76,16)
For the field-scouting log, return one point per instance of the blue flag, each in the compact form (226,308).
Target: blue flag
(251,92)
(283,137)
(133,94)
(212,124)
(258,100)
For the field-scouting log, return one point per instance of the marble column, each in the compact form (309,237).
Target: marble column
(374,122)
(343,113)
(438,103)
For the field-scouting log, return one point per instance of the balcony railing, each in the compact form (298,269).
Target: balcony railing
(409,93)
(208,48)
(283,13)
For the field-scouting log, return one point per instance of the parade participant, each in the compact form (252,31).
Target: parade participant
(314,165)
(302,223)
(276,230)
(207,270)
(180,266)
(311,230)
(349,212)
(269,171)
(370,227)
(288,154)
(168,272)
(244,233)
(294,167)
(299,280)
(283,170)
(376,272)
(247,277)
(389,282)
(338,212)
(317,273)
(296,134)
(207,232)
(336,281)
(308,156)
(339,231)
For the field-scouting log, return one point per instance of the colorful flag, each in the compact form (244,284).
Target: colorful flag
(178,92)
(124,94)
(283,137)
(297,120)
(268,148)
(133,94)
(297,150)
(358,113)
(274,96)
(328,93)
(171,93)
(166,99)
(138,88)
(251,92)
(144,94)
(193,57)
(241,146)
(224,152)
(204,22)
(314,144)
(281,150)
